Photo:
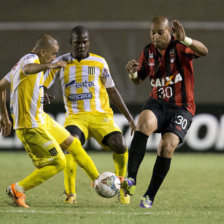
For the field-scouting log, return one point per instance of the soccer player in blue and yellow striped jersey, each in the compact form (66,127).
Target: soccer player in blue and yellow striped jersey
(86,84)
(41,136)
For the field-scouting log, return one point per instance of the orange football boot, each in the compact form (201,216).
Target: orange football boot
(18,197)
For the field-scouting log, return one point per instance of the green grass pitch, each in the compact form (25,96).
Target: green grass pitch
(192,193)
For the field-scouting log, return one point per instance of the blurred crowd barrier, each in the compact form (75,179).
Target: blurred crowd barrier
(206,133)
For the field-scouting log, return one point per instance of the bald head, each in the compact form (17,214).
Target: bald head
(161,21)
(46,48)
(46,41)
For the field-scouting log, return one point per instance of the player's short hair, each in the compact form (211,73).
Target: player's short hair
(78,30)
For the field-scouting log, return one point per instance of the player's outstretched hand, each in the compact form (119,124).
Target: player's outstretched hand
(178,30)
(5,125)
(58,64)
(132,66)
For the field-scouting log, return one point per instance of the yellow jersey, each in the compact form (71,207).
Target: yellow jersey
(26,94)
(83,84)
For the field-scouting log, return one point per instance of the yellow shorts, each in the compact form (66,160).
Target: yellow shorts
(42,143)
(59,133)
(96,125)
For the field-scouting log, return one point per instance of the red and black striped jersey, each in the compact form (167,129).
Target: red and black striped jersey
(171,74)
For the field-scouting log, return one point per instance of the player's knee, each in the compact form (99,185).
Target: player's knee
(119,148)
(167,149)
(147,122)
(117,143)
(168,144)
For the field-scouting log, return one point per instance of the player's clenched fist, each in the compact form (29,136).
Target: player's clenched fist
(132,66)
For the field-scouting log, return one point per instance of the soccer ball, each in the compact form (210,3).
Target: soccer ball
(107,185)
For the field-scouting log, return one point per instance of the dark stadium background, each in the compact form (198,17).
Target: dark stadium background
(119,31)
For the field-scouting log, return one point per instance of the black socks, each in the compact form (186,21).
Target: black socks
(161,168)
(136,153)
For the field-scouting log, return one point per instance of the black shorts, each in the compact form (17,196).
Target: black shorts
(170,118)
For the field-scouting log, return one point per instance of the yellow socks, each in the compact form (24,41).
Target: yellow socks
(70,174)
(83,159)
(120,163)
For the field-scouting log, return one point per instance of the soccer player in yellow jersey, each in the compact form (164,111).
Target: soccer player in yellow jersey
(41,136)
(86,83)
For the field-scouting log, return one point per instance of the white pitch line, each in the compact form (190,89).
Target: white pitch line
(109,212)
(102,25)
(75,212)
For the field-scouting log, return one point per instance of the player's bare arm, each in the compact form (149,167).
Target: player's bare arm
(35,68)
(131,68)
(117,100)
(199,48)
(5,123)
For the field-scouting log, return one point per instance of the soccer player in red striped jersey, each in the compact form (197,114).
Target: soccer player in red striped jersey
(167,61)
